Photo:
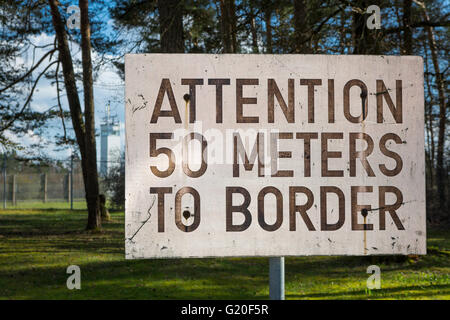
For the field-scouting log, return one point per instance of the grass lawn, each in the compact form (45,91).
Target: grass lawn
(77,204)
(36,246)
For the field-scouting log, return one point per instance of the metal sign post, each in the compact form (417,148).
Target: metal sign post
(276,278)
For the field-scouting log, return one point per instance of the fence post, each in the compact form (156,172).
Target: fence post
(68,187)
(14,190)
(45,187)
(4,181)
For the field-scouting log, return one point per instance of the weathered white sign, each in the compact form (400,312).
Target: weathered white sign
(274,155)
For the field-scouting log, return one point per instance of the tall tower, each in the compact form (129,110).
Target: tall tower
(109,143)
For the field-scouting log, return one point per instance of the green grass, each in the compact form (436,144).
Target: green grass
(77,205)
(36,246)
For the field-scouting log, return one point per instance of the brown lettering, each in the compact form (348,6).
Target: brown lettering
(160,191)
(274,91)
(243,208)
(240,100)
(178,207)
(324,225)
(219,83)
(307,136)
(279,198)
(294,208)
(325,136)
(311,83)
(157,112)
(362,155)
(357,208)
(391,154)
(155,152)
(238,149)
(194,174)
(192,95)
(331,101)
(390,208)
(347,87)
(383,92)
(275,155)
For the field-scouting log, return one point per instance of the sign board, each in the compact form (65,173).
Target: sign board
(274,155)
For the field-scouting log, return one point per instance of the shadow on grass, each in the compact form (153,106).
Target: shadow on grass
(39,246)
(380,293)
(187,279)
(50,224)
(144,279)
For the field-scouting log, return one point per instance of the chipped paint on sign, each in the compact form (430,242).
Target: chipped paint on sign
(274,155)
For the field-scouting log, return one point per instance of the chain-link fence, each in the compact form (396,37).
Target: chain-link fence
(42,187)
(49,184)
(33,184)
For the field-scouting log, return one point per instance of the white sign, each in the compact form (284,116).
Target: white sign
(274,155)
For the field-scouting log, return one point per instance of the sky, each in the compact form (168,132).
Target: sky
(108,89)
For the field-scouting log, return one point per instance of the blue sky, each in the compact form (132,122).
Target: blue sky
(108,89)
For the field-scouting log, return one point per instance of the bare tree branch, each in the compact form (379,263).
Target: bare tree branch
(17,115)
(420,24)
(28,73)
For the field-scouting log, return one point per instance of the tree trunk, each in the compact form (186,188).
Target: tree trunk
(225,27)
(171,25)
(407,33)
(430,138)
(300,27)
(359,31)
(440,169)
(103,209)
(432,103)
(74,103)
(342,33)
(233,20)
(253,29)
(268,21)
(92,187)
(69,79)
(228,25)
